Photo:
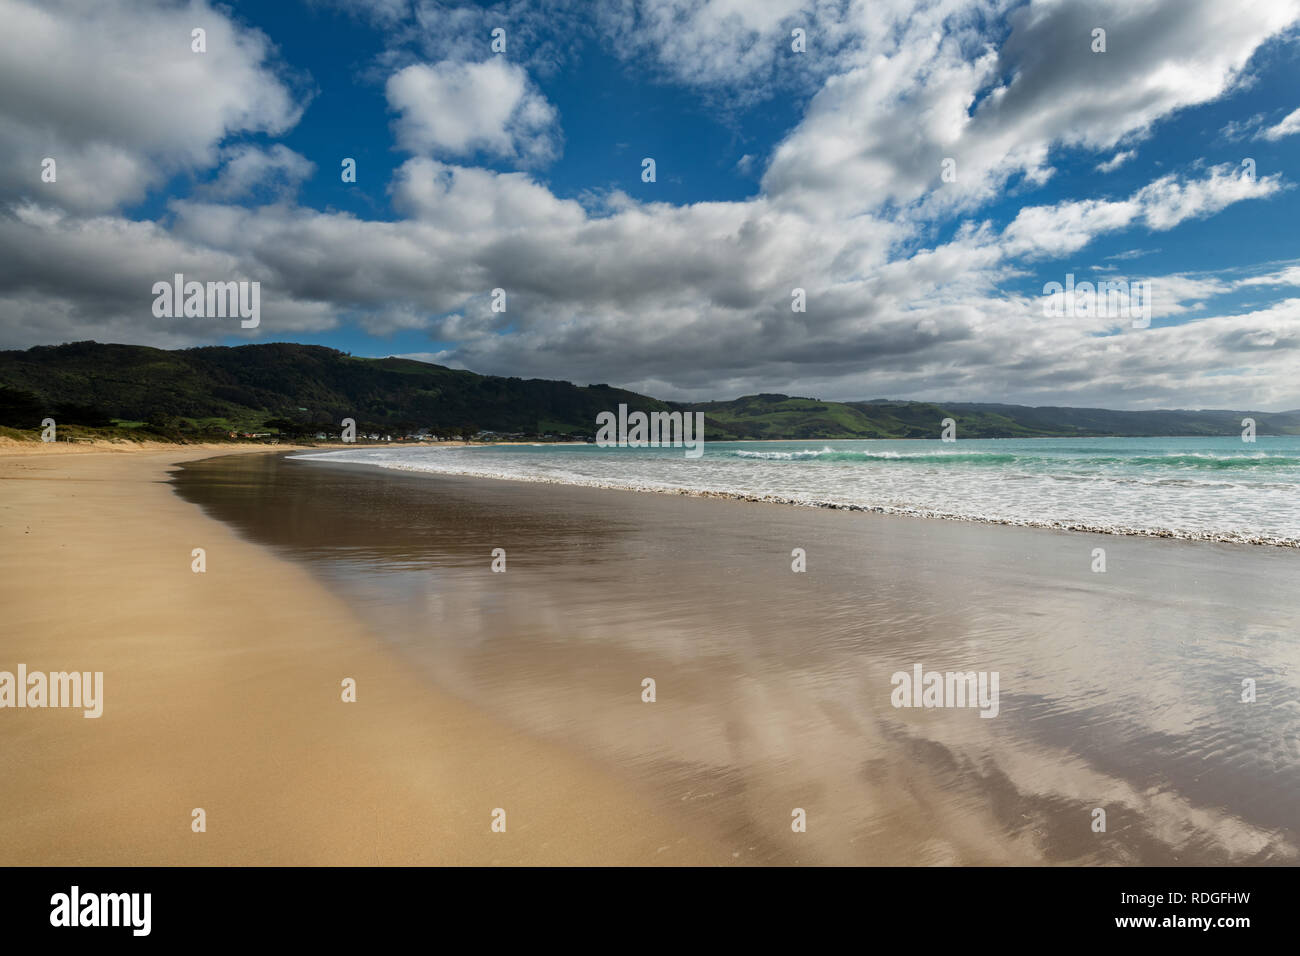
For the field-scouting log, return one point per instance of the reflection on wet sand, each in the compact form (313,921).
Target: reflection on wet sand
(1119,690)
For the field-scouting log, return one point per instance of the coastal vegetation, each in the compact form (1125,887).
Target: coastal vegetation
(303,392)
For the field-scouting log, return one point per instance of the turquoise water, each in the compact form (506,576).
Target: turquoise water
(1211,488)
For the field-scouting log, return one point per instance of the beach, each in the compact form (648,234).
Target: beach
(524,688)
(222,691)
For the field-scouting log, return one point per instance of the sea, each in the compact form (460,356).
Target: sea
(1212,488)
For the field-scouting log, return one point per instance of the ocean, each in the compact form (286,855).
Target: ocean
(1218,488)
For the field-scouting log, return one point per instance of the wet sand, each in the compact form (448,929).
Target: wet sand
(222,691)
(1119,691)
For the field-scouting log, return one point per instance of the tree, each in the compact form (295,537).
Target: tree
(91,416)
(20,408)
(285,426)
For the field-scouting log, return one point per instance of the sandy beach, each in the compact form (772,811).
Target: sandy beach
(222,691)
(522,690)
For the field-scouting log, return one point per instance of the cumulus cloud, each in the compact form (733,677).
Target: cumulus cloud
(65,278)
(115,130)
(252,171)
(690,295)
(454,109)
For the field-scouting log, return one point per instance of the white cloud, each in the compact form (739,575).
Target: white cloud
(1236,130)
(928,85)
(465,200)
(726,42)
(1289,126)
(250,170)
(1171,200)
(1160,205)
(1288,276)
(116,129)
(1116,161)
(453,109)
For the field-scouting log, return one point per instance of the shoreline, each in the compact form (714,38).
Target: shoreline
(1209,537)
(303,451)
(222,692)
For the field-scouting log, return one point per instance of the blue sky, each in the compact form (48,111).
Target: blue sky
(776,170)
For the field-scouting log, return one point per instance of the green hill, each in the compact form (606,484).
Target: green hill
(783,417)
(300,390)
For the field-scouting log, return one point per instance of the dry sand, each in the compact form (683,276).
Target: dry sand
(222,692)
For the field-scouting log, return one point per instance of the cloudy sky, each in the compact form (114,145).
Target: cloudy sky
(921,170)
